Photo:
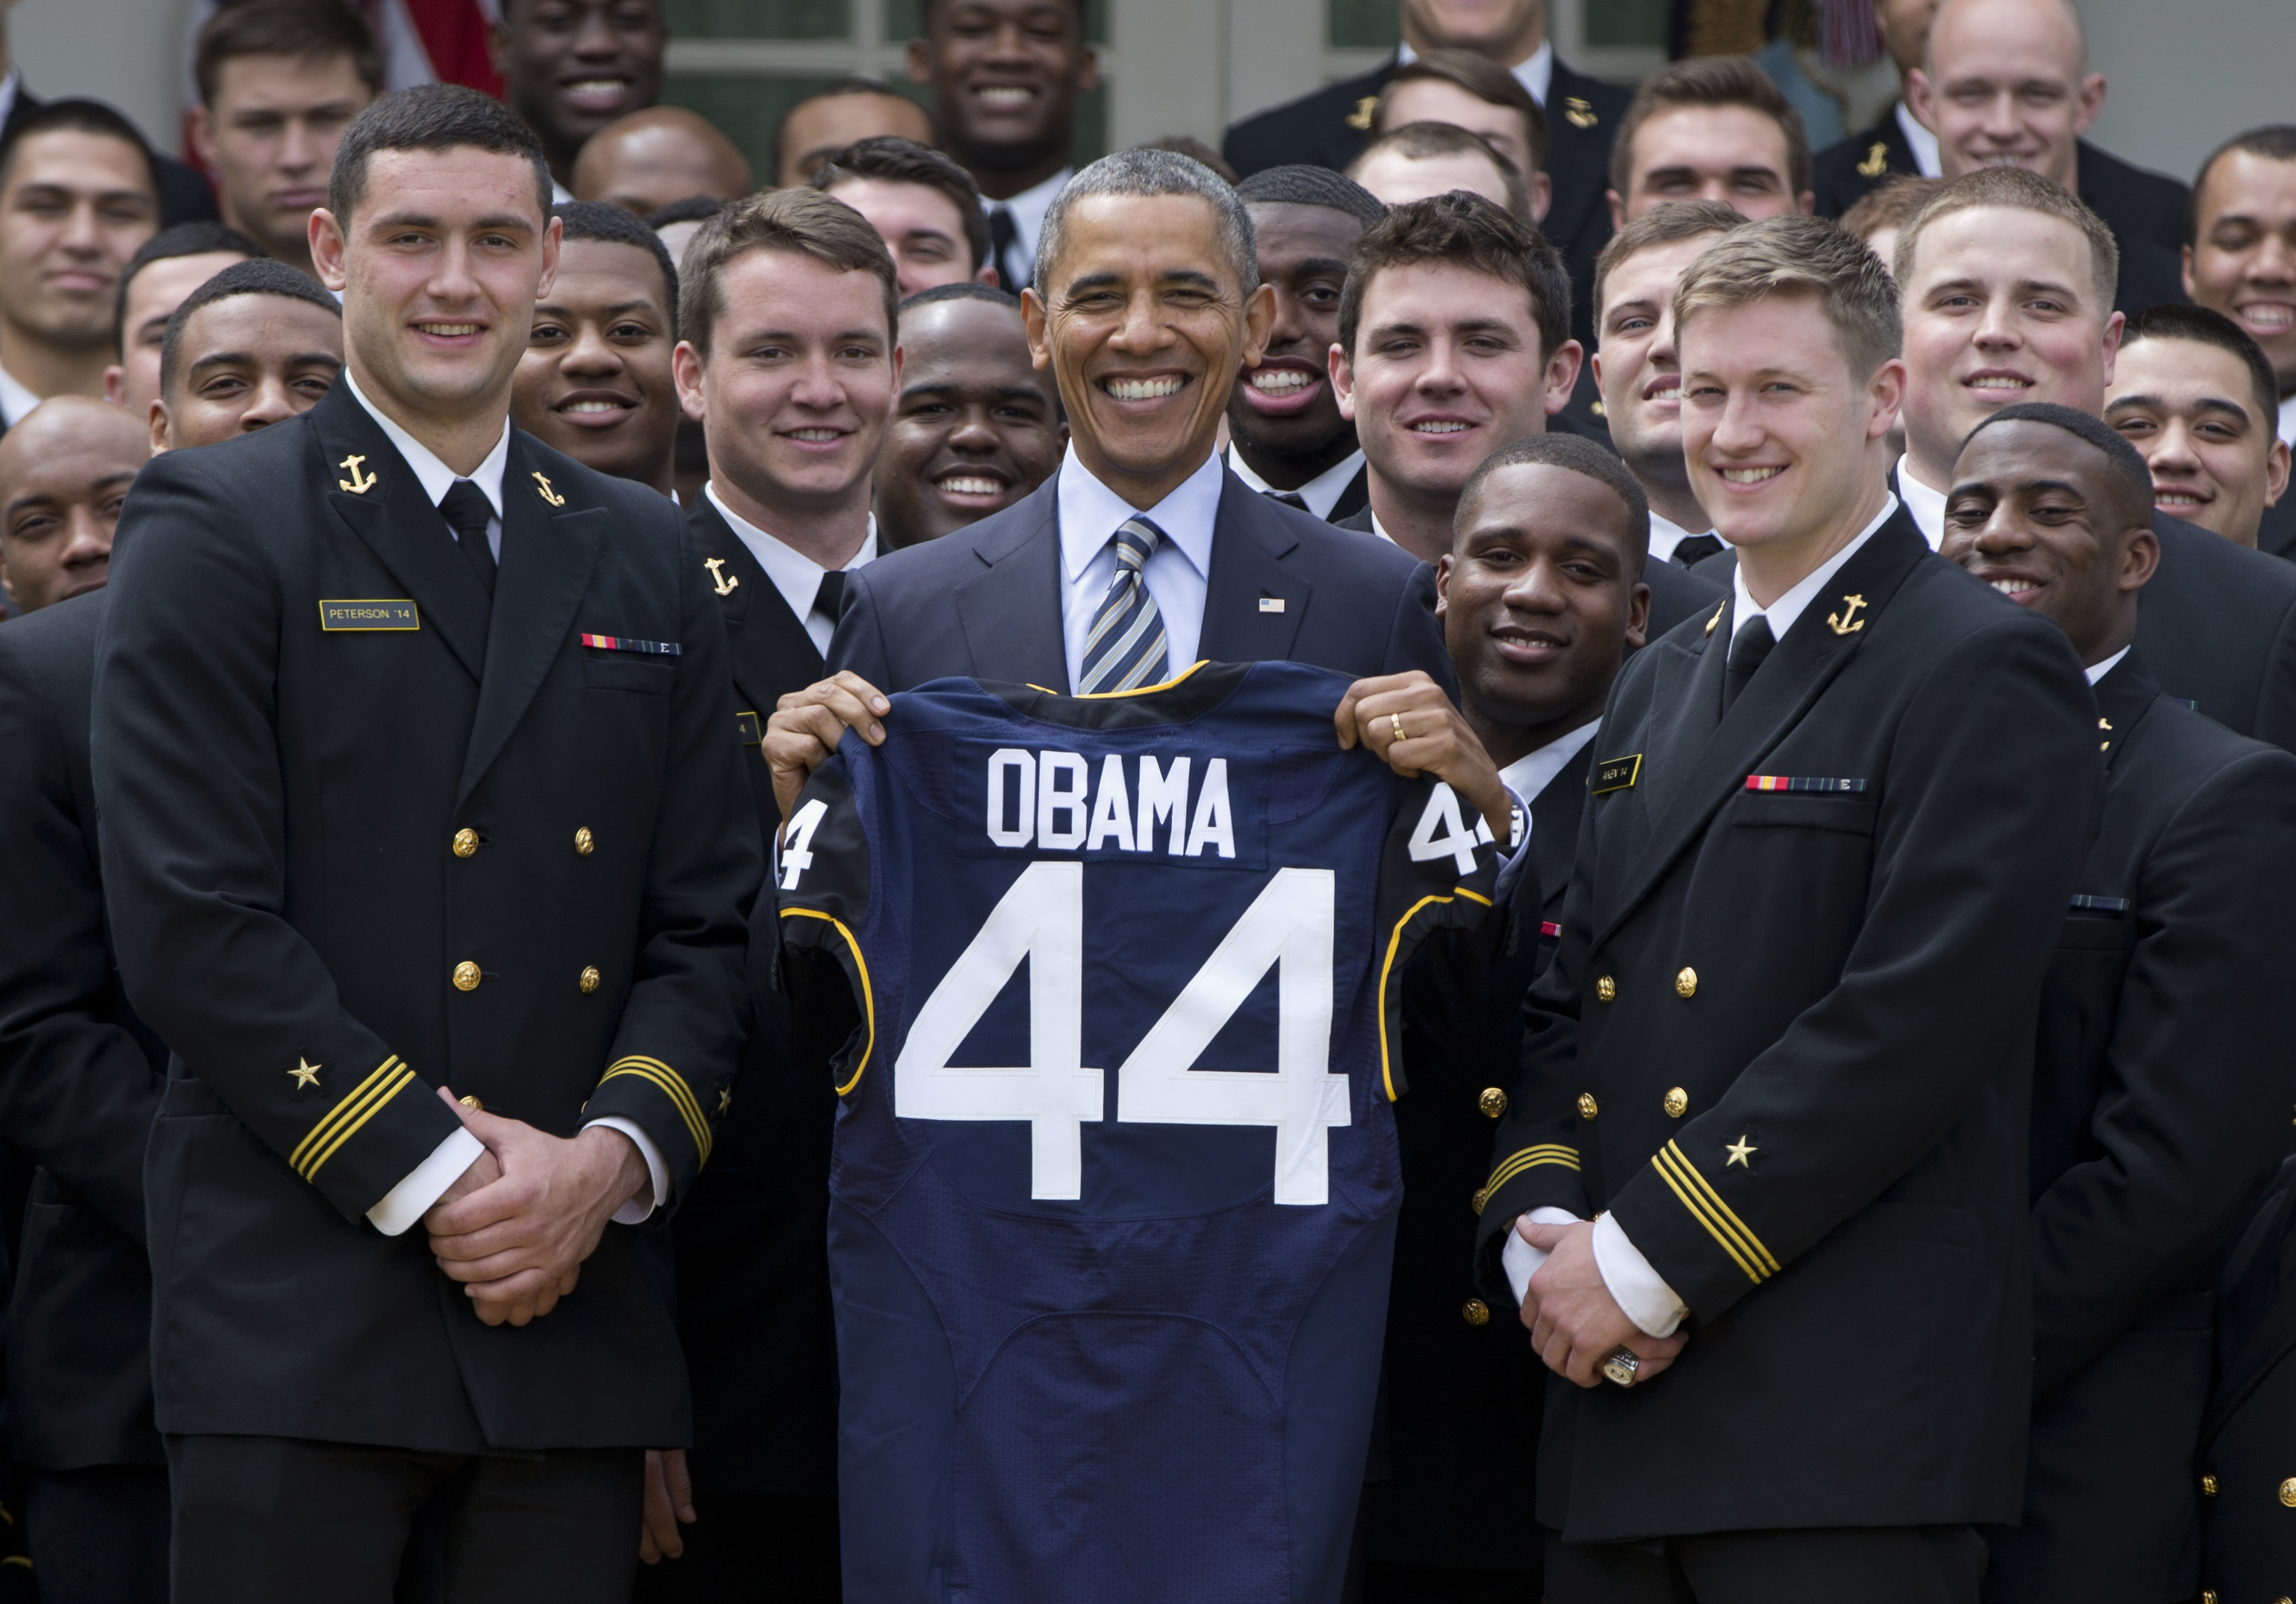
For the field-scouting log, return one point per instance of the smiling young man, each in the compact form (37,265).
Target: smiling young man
(570,67)
(923,205)
(2240,260)
(976,429)
(164,270)
(597,382)
(2195,396)
(1288,439)
(397,624)
(2008,284)
(2160,1075)
(1777,1070)
(253,347)
(1711,128)
(64,473)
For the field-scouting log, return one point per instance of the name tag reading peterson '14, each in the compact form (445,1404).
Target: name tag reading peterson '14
(369,615)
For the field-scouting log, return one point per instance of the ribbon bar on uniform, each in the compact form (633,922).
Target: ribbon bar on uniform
(623,643)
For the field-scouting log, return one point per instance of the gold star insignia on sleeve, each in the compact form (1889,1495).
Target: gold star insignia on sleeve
(1740,1152)
(306,1073)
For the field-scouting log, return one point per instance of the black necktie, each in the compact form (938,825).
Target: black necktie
(1693,549)
(467,512)
(1748,649)
(1288,497)
(1004,247)
(830,596)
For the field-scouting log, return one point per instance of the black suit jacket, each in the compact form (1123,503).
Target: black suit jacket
(986,600)
(2160,1087)
(79,1075)
(281,804)
(2248,1537)
(1329,128)
(1787,1040)
(2276,535)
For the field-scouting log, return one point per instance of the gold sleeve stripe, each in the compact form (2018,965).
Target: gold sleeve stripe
(1762,1254)
(860,967)
(1386,972)
(672,1086)
(1744,1248)
(338,1124)
(1531,1158)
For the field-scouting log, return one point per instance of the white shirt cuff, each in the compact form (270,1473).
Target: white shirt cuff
(426,1184)
(635,1212)
(1520,1259)
(1638,1290)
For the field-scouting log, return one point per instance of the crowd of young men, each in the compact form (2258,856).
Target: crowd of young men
(1845,1161)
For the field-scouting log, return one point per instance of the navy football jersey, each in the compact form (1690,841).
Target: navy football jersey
(1115,1176)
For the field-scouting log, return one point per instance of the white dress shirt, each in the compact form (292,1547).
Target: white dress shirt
(1638,1290)
(1922,142)
(1526,777)
(407,1202)
(1535,72)
(2098,670)
(1666,534)
(795,575)
(2288,419)
(1028,208)
(15,400)
(1926,506)
(1177,572)
(1321,493)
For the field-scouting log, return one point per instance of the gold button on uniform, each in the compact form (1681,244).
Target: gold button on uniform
(1605,989)
(589,981)
(472,1104)
(1483,1196)
(1586,1104)
(1685,985)
(1476,1313)
(585,843)
(2288,1492)
(466,841)
(466,977)
(2207,1487)
(1493,1102)
(1677,1103)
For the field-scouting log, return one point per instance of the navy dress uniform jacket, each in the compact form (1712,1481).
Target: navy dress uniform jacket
(1787,1042)
(79,1075)
(2160,1089)
(2248,1507)
(351,823)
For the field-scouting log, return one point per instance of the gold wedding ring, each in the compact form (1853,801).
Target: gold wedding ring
(1395,723)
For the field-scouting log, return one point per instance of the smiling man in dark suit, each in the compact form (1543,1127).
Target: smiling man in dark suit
(425,851)
(2161,1074)
(1759,1184)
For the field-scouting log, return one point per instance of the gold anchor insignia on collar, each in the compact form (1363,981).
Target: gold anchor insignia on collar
(1717,615)
(1575,112)
(359,482)
(549,495)
(1839,622)
(724,582)
(1876,163)
(1359,119)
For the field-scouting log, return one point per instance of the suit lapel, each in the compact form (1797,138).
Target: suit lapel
(377,495)
(1354,498)
(1254,604)
(1006,612)
(772,654)
(547,554)
(1797,673)
(2123,697)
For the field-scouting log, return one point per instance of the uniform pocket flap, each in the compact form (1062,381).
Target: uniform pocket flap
(2097,932)
(1850,812)
(628,674)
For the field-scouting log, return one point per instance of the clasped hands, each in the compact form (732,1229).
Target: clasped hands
(516,1226)
(1574,1322)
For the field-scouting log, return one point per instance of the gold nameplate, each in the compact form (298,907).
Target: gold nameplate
(369,615)
(753,733)
(1616,774)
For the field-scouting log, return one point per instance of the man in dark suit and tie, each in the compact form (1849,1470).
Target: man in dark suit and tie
(1759,1185)
(425,851)
(1329,127)
(2161,1077)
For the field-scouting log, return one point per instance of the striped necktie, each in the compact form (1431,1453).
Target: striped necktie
(1125,648)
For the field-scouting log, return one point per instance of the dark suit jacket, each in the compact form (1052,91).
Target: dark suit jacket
(2248,1537)
(1459,1402)
(2276,535)
(79,1075)
(2160,1089)
(1329,128)
(985,601)
(281,805)
(1839,979)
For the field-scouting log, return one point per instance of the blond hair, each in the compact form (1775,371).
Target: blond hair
(1795,255)
(2024,191)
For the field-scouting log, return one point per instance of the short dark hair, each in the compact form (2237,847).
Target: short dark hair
(694,209)
(77,114)
(1196,150)
(1710,80)
(433,117)
(184,239)
(1891,203)
(856,83)
(2175,320)
(2128,468)
(310,31)
(258,278)
(797,222)
(2021,189)
(963,292)
(1425,140)
(611,226)
(1479,76)
(1296,184)
(1461,230)
(1668,223)
(1149,173)
(1578,456)
(2274,142)
(889,158)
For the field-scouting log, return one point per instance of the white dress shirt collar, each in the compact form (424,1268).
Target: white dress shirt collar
(435,476)
(1028,208)
(1926,506)
(1535,72)
(1666,534)
(15,400)
(795,575)
(1782,613)
(1922,142)
(9,87)
(2288,419)
(1091,514)
(2098,670)
(1321,493)
(1530,775)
